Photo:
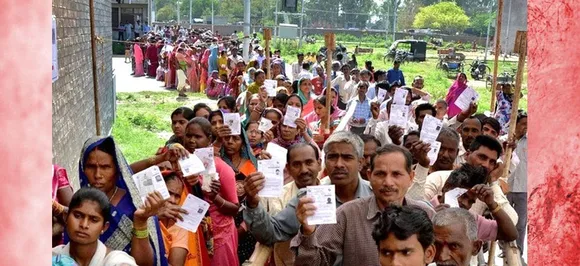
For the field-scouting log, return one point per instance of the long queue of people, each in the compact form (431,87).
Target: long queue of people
(391,193)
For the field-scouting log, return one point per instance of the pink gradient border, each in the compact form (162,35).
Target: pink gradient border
(554,210)
(26,127)
(553,187)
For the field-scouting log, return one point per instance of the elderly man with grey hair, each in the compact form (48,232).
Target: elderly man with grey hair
(349,241)
(456,240)
(343,159)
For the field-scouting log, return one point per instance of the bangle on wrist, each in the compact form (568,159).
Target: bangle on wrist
(141,234)
(497,209)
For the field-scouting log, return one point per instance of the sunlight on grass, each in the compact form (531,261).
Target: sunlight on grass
(142,118)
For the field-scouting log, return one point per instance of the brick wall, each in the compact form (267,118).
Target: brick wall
(73,113)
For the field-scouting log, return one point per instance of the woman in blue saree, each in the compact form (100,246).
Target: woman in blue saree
(134,228)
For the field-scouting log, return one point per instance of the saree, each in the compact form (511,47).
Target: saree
(197,254)
(247,242)
(454,91)
(213,59)
(192,75)
(224,229)
(307,104)
(152,55)
(59,180)
(204,73)
(119,234)
(171,74)
(139,72)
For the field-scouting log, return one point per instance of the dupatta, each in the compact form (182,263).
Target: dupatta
(119,234)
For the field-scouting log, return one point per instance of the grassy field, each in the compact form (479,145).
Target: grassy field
(143,123)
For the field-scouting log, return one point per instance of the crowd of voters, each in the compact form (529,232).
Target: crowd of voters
(389,178)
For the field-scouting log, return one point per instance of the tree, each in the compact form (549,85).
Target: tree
(445,16)
(167,13)
(480,22)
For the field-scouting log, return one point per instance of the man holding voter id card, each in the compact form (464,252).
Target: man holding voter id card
(343,159)
(349,239)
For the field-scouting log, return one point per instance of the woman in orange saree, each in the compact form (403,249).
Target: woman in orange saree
(182,247)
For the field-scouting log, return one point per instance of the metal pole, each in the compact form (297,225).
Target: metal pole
(245,51)
(507,30)
(94,65)
(395,18)
(190,17)
(497,41)
(276,22)
(212,17)
(487,36)
(301,24)
(178,15)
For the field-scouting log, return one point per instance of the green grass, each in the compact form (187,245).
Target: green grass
(143,118)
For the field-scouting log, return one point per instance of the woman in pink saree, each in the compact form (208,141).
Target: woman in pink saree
(139,72)
(455,90)
(192,76)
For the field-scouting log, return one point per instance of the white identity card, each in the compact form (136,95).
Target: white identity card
(325,203)
(274,174)
(265,124)
(434,152)
(271,85)
(277,152)
(196,209)
(469,95)
(400,96)
(399,115)
(452,196)
(430,129)
(381,95)
(206,157)
(292,113)
(150,180)
(232,120)
(191,165)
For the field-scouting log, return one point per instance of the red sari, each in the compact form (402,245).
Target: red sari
(172,74)
(151,54)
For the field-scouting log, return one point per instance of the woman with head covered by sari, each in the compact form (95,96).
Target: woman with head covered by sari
(134,228)
(455,90)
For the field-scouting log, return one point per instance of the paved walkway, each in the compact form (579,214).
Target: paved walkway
(127,83)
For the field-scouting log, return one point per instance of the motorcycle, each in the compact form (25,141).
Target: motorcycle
(479,69)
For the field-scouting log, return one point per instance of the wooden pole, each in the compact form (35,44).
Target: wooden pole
(511,250)
(496,58)
(267,38)
(330,47)
(521,46)
(491,254)
(94,66)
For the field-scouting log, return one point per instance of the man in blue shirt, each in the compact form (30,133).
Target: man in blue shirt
(395,74)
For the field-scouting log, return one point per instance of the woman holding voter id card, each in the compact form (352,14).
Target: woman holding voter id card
(134,228)
(221,195)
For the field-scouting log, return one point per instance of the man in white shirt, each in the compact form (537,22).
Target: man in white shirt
(343,77)
(260,57)
(234,36)
(469,129)
(297,66)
